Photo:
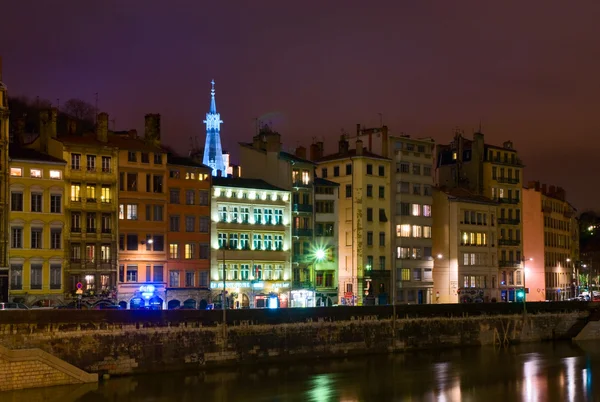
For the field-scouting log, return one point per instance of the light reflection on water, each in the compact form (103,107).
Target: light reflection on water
(548,372)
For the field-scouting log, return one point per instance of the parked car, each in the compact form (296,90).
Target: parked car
(13,306)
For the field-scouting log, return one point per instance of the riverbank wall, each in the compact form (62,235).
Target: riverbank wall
(132,342)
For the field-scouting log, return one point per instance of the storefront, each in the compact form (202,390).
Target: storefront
(251,294)
(147,296)
(302,298)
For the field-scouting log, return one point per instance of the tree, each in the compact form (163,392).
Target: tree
(80,109)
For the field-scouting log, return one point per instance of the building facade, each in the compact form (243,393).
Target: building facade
(251,243)
(496,173)
(551,243)
(188,237)
(464,247)
(37,224)
(90,177)
(364,221)
(4,190)
(326,242)
(264,158)
(142,218)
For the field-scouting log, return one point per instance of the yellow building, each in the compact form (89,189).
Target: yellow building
(143,217)
(494,172)
(37,225)
(464,247)
(90,178)
(365,257)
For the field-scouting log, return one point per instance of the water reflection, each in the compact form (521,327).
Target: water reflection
(550,372)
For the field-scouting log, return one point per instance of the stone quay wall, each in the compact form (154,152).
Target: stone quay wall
(129,342)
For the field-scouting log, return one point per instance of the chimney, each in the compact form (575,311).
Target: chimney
(359,147)
(273,142)
(301,152)
(357,129)
(343,145)
(102,127)
(47,128)
(19,136)
(552,190)
(508,145)
(543,188)
(71,126)
(152,128)
(384,142)
(132,134)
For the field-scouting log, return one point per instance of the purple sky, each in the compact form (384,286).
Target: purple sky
(528,70)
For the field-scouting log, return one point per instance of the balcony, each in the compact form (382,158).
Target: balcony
(302,232)
(508,221)
(296,208)
(508,180)
(302,285)
(509,264)
(509,242)
(508,200)
(302,259)
(301,184)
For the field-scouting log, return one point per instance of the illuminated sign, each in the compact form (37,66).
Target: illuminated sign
(219,285)
(147,291)
(247,284)
(281,285)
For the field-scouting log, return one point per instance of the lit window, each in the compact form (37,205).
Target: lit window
(305,177)
(55,174)
(426,210)
(403,230)
(16,172)
(173,250)
(35,173)
(417,231)
(415,210)
(427,232)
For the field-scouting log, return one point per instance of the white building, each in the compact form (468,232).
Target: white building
(251,243)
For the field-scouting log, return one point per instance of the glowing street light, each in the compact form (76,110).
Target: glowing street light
(320,254)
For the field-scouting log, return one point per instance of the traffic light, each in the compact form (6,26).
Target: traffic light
(521,294)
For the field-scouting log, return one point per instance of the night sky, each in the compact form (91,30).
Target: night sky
(528,70)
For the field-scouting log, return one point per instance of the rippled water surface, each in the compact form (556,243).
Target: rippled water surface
(547,372)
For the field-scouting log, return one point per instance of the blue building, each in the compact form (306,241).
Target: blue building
(213,152)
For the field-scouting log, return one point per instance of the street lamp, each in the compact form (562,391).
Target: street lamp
(523,292)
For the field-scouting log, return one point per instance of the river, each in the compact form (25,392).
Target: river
(542,372)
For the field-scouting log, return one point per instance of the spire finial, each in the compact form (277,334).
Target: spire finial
(212,89)
(213,105)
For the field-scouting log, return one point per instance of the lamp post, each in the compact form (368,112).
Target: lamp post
(524,284)
(319,255)
(223,303)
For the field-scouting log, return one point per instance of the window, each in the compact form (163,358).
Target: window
(56,203)
(105,253)
(370,214)
(403,187)
(106,225)
(369,191)
(148,183)
(75,162)
(16,276)
(174,174)
(157,183)
(369,169)
(174,279)
(305,177)
(132,212)
(131,181)
(348,169)
(405,274)
(381,170)
(55,276)
(189,252)
(16,172)
(174,196)
(174,223)
(105,194)
(174,250)
(381,239)
(75,222)
(417,231)
(90,253)
(426,170)
(56,175)
(369,238)
(416,169)
(157,159)
(403,230)
(16,201)
(35,173)
(106,164)
(204,251)
(91,163)
(415,210)
(189,197)
(76,192)
(36,238)
(189,279)
(132,273)
(36,202)
(203,198)
(348,190)
(381,192)
(403,208)
(204,224)
(132,242)
(145,157)
(55,239)
(90,222)
(158,243)
(427,232)
(382,262)
(427,189)
(190,223)
(416,189)
(427,210)
(324,173)
(131,156)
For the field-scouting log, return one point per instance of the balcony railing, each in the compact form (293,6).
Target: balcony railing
(508,180)
(300,183)
(302,285)
(302,258)
(302,208)
(508,221)
(509,242)
(508,200)
(302,232)
(509,264)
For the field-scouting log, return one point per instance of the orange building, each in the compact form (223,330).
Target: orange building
(142,217)
(188,237)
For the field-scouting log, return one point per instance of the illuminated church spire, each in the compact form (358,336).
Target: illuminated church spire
(213,152)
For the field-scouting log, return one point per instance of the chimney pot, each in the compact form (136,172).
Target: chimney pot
(301,152)
(152,128)
(102,127)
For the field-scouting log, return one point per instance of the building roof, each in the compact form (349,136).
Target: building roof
(294,158)
(350,154)
(325,183)
(173,159)
(462,194)
(120,141)
(243,182)
(16,152)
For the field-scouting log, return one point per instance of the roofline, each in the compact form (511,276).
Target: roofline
(376,157)
(37,161)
